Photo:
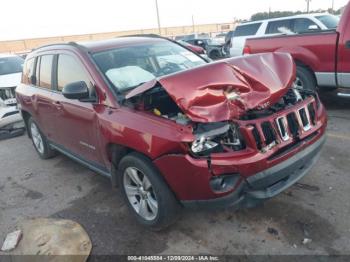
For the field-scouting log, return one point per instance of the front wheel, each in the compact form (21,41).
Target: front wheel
(146,193)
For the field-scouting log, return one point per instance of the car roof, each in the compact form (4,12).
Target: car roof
(103,45)
(7,55)
(284,18)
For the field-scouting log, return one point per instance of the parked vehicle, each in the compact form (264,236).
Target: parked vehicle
(169,128)
(220,38)
(191,36)
(11,122)
(197,49)
(322,58)
(228,43)
(281,26)
(213,48)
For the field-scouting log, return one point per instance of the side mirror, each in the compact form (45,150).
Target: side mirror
(312,27)
(200,43)
(76,90)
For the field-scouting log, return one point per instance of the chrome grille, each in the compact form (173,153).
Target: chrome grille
(268,133)
(304,118)
(282,125)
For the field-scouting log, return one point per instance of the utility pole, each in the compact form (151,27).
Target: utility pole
(158,19)
(332,6)
(193,27)
(308,5)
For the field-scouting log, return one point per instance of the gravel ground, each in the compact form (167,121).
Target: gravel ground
(317,208)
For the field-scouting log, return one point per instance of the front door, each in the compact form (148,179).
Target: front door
(76,122)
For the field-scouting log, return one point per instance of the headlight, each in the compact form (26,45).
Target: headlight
(217,137)
(203,145)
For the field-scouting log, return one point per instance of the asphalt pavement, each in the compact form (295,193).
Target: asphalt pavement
(317,208)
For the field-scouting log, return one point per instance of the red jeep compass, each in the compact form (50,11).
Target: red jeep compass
(169,128)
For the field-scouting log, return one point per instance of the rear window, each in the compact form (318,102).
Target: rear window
(45,71)
(302,25)
(11,65)
(280,26)
(330,21)
(246,30)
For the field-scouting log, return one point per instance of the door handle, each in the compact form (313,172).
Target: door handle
(347,44)
(57,104)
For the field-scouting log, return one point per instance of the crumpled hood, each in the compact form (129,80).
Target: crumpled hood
(10,80)
(228,89)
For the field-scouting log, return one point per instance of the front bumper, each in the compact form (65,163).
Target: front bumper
(263,185)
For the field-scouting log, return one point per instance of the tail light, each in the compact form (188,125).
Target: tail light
(247,50)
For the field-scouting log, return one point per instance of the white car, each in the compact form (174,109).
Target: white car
(11,122)
(284,25)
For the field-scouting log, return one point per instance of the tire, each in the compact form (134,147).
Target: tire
(39,141)
(160,207)
(215,54)
(305,79)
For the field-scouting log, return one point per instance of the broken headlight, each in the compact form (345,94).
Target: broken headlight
(203,145)
(216,138)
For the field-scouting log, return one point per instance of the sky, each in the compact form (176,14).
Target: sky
(21,19)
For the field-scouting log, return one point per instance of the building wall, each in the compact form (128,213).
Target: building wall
(25,45)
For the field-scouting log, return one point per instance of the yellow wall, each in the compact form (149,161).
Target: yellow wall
(25,45)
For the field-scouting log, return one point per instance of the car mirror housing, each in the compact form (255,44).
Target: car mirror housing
(313,27)
(76,90)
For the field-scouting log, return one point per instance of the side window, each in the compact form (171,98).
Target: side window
(280,26)
(28,71)
(69,70)
(247,30)
(45,71)
(303,24)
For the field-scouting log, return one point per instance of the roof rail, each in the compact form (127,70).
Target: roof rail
(69,43)
(142,35)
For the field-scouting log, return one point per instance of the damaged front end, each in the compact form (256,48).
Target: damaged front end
(213,98)
(253,131)
(11,122)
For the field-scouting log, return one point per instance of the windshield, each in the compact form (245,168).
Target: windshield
(129,67)
(330,21)
(11,65)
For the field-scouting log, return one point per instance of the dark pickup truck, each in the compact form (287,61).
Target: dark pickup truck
(322,57)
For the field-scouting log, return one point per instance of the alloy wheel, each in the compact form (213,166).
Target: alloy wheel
(37,138)
(140,193)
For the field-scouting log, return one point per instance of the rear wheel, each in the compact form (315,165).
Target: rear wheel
(305,80)
(146,193)
(39,141)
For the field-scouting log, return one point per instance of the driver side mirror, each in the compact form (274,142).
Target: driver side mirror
(200,43)
(312,27)
(76,90)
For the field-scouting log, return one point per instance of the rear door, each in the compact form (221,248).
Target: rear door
(44,109)
(278,27)
(241,34)
(76,122)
